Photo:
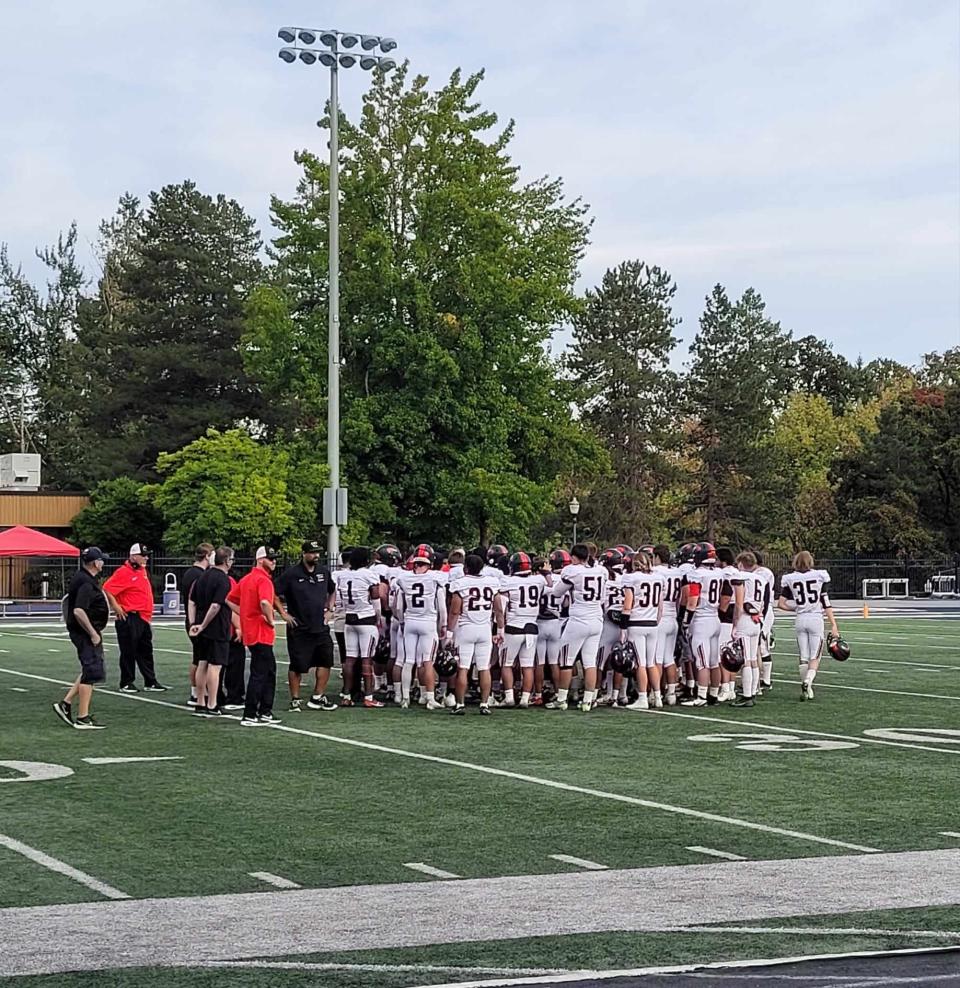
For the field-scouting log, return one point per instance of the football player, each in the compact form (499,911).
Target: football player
(766,626)
(685,569)
(748,617)
(474,605)
(387,564)
(455,562)
(806,592)
(585,586)
(612,634)
(359,595)
(726,563)
(521,592)
(667,629)
(421,607)
(642,612)
(550,620)
(709,592)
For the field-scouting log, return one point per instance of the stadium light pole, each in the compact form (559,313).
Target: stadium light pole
(574,507)
(300,44)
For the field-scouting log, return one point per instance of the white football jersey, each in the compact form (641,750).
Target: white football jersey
(420,593)
(477,594)
(456,572)
(522,596)
(672,580)
(353,591)
(551,607)
(492,572)
(771,586)
(647,593)
(712,583)
(754,588)
(810,591)
(586,586)
(613,598)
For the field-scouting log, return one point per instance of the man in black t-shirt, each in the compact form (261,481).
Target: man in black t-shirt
(212,630)
(202,560)
(86,614)
(306,594)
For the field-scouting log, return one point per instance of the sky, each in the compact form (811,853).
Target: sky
(807,148)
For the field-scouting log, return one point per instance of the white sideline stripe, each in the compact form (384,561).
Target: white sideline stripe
(18,689)
(888,644)
(859,739)
(547,783)
(579,862)
(832,931)
(375,968)
(714,853)
(949,833)
(275,880)
(124,761)
(712,966)
(429,869)
(61,867)
(868,689)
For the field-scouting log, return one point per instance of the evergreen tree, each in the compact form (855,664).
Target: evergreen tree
(622,341)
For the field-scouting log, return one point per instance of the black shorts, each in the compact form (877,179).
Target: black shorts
(309,650)
(212,652)
(195,644)
(92,669)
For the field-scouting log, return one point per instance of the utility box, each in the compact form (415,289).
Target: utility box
(20,472)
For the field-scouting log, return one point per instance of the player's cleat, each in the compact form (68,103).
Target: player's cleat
(712,700)
(744,701)
(371,703)
(404,704)
(766,687)
(200,710)
(250,722)
(87,724)
(508,701)
(128,688)
(806,691)
(536,701)
(458,710)
(485,709)
(657,702)
(432,704)
(269,720)
(671,699)
(693,701)
(320,703)
(556,705)
(584,707)
(62,709)
(296,705)
(214,712)
(346,700)
(641,703)
(523,704)
(450,701)
(191,701)
(156,688)
(605,701)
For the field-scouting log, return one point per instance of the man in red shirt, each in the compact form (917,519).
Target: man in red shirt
(253,599)
(130,595)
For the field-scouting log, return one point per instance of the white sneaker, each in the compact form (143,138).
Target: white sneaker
(423,698)
(404,704)
(696,701)
(431,704)
(450,700)
(671,699)
(639,704)
(657,701)
(523,704)
(509,701)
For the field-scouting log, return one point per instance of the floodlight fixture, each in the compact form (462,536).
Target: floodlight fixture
(328,38)
(307,57)
(386,64)
(308,37)
(369,62)
(369,41)
(287,54)
(348,61)
(327,59)
(287,34)
(387,44)
(349,40)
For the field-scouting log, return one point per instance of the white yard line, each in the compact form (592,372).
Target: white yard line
(125,761)
(61,867)
(275,880)
(579,862)
(429,870)
(380,968)
(536,780)
(714,853)
(832,931)
(869,689)
(949,833)
(881,981)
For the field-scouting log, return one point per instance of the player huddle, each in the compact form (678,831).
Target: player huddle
(641,628)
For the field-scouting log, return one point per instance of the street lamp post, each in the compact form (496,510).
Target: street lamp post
(574,507)
(300,44)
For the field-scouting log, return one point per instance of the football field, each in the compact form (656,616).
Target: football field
(400,848)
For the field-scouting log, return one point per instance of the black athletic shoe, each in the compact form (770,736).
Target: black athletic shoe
(320,703)
(743,701)
(62,709)
(128,688)
(213,712)
(459,710)
(269,719)
(712,700)
(191,701)
(156,688)
(200,710)
(87,724)
(485,710)
(765,686)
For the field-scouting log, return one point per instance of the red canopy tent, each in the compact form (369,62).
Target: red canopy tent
(23,541)
(20,542)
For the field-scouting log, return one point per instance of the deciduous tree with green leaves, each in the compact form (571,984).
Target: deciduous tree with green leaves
(121,511)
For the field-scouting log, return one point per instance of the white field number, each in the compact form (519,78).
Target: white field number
(33,771)
(774,742)
(936,735)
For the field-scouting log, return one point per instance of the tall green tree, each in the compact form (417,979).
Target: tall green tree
(738,377)
(163,334)
(620,360)
(454,274)
(120,512)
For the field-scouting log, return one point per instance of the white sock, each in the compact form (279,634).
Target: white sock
(810,676)
(713,691)
(397,692)
(767,666)
(589,696)
(623,690)
(748,681)
(608,683)
(562,696)
(441,691)
(524,697)
(671,689)
(804,666)
(406,678)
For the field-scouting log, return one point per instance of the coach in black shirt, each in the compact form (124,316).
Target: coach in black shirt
(212,630)
(306,591)
(86,614)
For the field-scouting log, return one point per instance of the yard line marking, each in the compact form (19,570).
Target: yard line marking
(579,862)
(859,739)
(275,880)
(18,689)
(714,853)
(124,761)
(698,967)
(61,867)
(534,780)
(869,689)
(429,870)
(949,833)
(832,931)
(877,641)
(376,968)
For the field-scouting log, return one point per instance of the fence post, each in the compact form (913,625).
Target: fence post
(856,581)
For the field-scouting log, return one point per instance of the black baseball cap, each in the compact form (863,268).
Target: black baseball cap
(311,545)
(91,554)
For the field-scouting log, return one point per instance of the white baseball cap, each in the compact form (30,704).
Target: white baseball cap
(265,552)
(138,549)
